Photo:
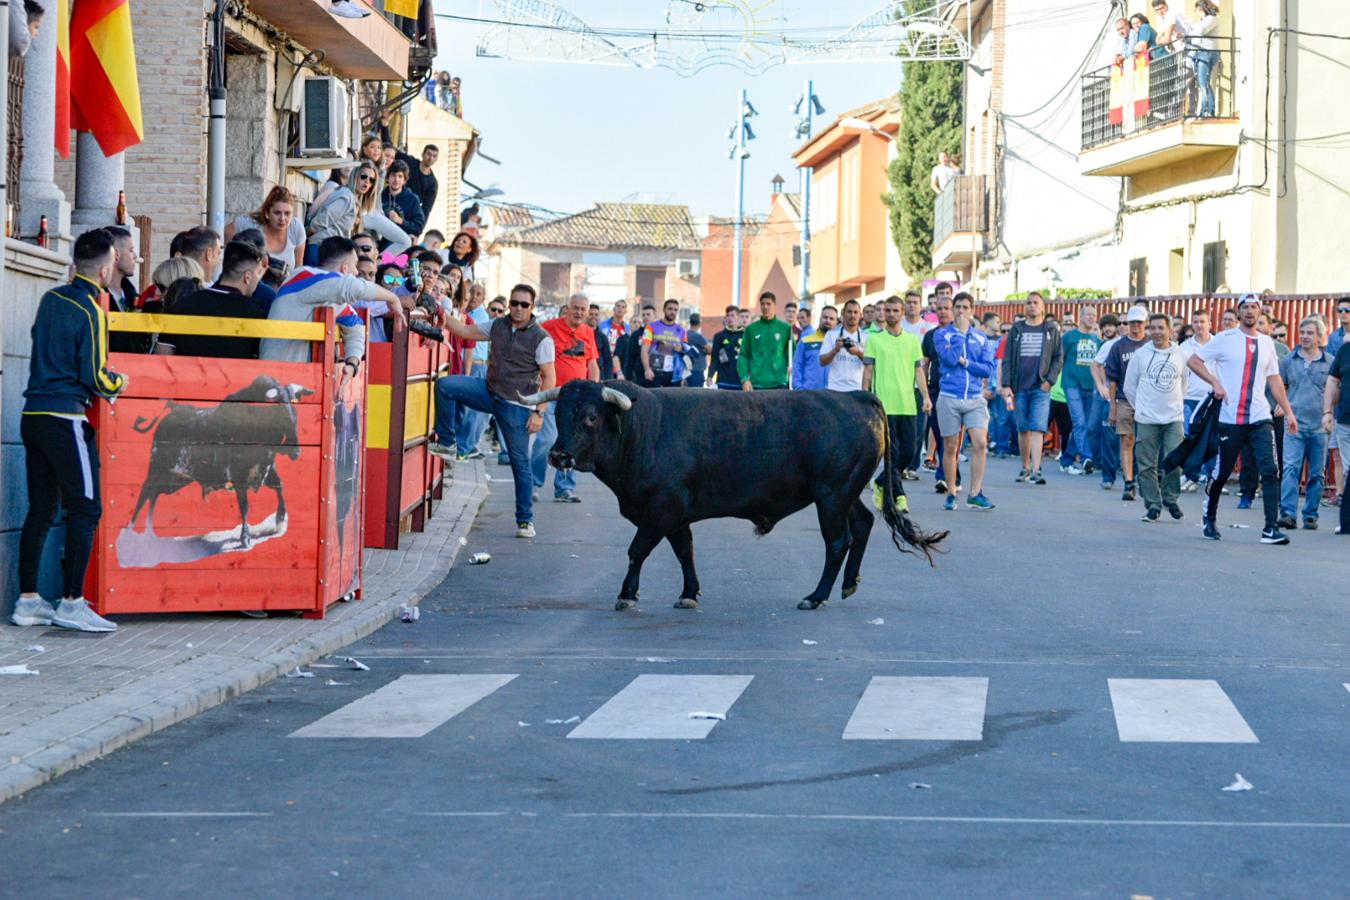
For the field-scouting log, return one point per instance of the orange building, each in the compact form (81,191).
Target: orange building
(717,264)
(852,253)
(774,263)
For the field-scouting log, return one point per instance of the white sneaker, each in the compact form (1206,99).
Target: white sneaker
(77,615)
(29,611)
(525,530)
(346,9)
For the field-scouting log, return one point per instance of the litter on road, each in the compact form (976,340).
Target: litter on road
(409,613)
(298,672)
(20,669)
(331,683)
(708,715)
(809,643)
(480,559)
(920,786)
(354,663)
(876,622)
(38,648)
(1240,784)
(571,721)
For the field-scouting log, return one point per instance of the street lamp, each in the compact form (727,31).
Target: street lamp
(810,104)
(741,131)
(852,123)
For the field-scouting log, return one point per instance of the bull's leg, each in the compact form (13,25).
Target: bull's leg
(860,521)
(141,501)
(644,542)
(833,517)
(241,493)
(682,542)
(273,480)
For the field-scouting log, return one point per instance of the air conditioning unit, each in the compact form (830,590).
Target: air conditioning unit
(325,118)
(686,268)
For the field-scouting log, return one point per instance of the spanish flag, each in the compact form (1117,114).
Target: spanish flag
(105,91)
(63,78)
(405,8)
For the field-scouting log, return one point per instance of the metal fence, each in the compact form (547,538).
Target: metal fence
(1175,91)
(1288,308)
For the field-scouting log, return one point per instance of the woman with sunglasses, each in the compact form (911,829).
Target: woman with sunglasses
(334,212)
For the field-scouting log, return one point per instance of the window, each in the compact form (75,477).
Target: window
(824,200)
(1216,266)
(1139,277)
(555,282)
(796,254)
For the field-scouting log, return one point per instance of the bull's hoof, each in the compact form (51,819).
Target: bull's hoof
(849,590)
(808,603)
(686,603)
(624,603)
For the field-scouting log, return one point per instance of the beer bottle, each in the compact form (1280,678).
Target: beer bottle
(121,207)
(42,237)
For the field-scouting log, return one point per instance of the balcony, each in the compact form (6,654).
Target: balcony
(370,49)
(960,220)
(1136,122)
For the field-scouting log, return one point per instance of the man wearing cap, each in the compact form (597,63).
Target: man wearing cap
(1122,411)
(1244,364)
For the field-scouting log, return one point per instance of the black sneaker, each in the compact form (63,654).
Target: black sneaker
(1128,493)
(1089,467)
(1273,536)
(1308,525)
(1174,511)
(1211,530)
(1023,475)
(1036,478)
(940,486)
(1153,515)
(1287,522)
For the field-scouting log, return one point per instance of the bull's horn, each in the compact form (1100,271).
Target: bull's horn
(547,396)
(618,398)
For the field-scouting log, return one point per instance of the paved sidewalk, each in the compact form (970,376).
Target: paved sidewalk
(95,693)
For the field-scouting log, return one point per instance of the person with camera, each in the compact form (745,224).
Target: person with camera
(843,350)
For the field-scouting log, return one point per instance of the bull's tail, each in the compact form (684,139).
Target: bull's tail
(907,536)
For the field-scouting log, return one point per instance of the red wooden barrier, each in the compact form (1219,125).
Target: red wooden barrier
(1289,308)
(229,484)
(402,477)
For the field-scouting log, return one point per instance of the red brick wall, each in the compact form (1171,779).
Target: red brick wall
(717,267)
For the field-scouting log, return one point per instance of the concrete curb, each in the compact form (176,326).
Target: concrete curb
(91,730)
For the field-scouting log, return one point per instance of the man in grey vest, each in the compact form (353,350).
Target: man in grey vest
(520,362)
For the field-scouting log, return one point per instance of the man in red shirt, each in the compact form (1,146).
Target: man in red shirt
(575,356)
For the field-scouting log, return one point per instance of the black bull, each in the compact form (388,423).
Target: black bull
(232,446)
(675,457)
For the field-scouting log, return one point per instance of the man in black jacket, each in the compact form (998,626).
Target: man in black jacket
(726,350)
(68,369)
(1031,364)
(400,204)
(601,342)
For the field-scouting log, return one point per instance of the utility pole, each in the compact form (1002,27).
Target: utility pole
(742,126)
(807,108)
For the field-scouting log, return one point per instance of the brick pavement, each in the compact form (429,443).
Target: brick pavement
(95,693)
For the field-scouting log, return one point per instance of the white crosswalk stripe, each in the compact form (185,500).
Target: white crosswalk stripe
(408,707)
(1176,711)
(919,709)
(659,707)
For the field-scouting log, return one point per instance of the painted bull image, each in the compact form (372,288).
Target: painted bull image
(232,446)
(667,455)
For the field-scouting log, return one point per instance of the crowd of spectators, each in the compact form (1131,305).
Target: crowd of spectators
(1189,40)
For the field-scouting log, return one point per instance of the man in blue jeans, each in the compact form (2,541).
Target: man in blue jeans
(520,363)
(470,424)
(1304,373)
(1032,362)
(1080,349)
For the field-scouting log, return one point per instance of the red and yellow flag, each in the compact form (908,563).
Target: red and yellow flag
(406,8)
(63,78)
(105,91)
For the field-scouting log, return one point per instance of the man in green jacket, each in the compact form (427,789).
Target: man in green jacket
(766,349)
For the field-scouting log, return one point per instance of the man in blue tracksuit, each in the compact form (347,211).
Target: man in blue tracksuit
(67,371)
(807,372)
(966,355)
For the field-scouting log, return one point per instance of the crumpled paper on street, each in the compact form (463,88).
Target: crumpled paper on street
(708,715)
(20,669)
(1240,784)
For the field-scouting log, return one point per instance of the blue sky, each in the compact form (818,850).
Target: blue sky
(569,135)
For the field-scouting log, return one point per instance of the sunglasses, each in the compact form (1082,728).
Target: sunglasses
(365,248)
(496,310)
(521,304)
(1343,310)
(365,176)
(393,280)
(1282,334)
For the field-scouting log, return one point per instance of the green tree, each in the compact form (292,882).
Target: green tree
(930,122)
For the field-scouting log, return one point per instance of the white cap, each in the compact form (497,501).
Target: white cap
(1137,314)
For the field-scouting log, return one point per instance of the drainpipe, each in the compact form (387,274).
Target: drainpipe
(215,128)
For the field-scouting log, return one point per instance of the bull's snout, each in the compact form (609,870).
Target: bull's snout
(561,460)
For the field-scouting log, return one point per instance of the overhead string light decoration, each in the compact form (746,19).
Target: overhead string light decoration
(750,35)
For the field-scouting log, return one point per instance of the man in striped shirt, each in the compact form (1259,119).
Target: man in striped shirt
(1244,365)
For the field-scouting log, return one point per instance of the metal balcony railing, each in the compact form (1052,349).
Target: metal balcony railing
(961,208)
(1186,83)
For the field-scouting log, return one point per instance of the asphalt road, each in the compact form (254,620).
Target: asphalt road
(1059,704)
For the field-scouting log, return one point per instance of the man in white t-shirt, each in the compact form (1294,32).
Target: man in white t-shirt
(1196,390)
(914,322)
(842,351)
(942,173)
(1244,366)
